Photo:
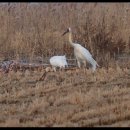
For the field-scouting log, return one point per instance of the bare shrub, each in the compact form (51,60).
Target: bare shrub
(29,30)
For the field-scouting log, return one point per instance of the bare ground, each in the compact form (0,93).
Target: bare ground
(75,98)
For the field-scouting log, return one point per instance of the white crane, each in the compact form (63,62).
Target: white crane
(58,61)
(82,54)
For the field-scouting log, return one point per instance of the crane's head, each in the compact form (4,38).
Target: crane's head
(68,30)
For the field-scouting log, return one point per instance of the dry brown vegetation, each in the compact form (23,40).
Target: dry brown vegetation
(66,98)
(29,30)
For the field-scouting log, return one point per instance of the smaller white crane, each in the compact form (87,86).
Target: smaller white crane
(58,61)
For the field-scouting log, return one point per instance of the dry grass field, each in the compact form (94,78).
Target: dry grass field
(71,98)
(68,98)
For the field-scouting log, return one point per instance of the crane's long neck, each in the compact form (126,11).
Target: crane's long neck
(70,39)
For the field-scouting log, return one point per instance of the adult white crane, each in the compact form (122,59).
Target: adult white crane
(82,54)
(58,61)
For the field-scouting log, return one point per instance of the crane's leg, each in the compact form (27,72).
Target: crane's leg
(54,68)
(79,64)
(93,72)
(61,68)
(84,64)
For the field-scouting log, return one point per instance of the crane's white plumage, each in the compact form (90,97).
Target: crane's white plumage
(82,54)
(58,61)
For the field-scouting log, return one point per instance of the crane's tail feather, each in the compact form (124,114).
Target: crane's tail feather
(95,63)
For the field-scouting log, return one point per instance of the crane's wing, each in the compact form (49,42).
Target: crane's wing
(89,57)
(84,53)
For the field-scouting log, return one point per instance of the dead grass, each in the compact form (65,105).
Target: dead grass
(75,97)
(78,100)
(31,30)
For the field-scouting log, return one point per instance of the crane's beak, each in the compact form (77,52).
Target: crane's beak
(65,33)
